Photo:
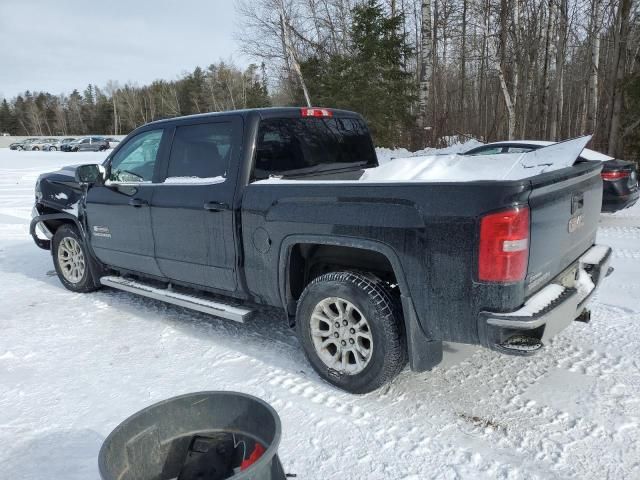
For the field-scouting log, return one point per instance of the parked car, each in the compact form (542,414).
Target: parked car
(86,144)
(620,178)
(266,207)
(21,144)
(38,144)
(57,144)
(113,142)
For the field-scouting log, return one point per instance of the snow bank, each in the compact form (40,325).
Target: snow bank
(387,154)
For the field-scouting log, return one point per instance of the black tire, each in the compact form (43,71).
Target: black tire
(35,149)
(86,283)
(379,307)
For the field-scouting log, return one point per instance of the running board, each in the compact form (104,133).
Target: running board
(191,302)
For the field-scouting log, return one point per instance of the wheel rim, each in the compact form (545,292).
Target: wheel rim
(341,335)
(71,260)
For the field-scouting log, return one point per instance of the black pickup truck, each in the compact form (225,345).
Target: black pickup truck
(226,212)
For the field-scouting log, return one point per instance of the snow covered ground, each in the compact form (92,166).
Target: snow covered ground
(73,366)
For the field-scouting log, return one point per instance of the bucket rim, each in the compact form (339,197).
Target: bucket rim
(263,462)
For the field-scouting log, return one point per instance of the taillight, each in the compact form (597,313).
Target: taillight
(504,246)
(615,175)
(316,112)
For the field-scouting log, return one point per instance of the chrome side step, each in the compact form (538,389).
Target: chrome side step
(192,302)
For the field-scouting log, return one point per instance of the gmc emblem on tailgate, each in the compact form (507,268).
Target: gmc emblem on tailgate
(577,204)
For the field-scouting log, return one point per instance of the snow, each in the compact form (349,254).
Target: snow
(595,255)
(445,165)
(461,168)
(539,301)
(194,180)
(73,366)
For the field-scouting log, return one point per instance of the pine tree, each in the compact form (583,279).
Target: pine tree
(372,79)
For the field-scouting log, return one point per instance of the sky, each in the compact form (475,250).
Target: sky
(59,45)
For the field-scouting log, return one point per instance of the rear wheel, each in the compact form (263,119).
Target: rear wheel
(71,260)
(35,149)
(349,326)
(53,149)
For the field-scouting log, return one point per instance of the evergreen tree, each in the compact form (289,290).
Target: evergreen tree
(8,122)
(372,78)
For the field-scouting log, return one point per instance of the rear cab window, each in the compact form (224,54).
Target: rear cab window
(292,147)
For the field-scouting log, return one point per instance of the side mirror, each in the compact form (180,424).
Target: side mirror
(90,174)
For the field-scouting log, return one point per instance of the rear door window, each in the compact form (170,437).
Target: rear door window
(201,152)
(292,146)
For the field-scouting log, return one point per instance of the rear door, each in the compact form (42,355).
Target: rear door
(118,212)
(193,222)
(565,209)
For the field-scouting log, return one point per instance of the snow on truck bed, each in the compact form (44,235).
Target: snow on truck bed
(452,166)
(73,366)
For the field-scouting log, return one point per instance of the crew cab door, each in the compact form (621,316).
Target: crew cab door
(118,212)
(191,214)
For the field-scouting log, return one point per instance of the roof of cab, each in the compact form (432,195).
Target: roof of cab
(265,112)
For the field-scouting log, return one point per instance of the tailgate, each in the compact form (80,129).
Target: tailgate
(565,209)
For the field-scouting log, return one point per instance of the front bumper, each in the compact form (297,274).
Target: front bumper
(549,311)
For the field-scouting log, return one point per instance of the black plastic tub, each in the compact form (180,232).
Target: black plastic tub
(204,435)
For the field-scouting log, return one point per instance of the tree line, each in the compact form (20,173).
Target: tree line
(425,70)
(118,109)
(420,71)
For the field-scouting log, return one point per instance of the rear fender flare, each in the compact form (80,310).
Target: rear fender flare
(424,352)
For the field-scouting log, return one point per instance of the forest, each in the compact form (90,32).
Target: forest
(420,71)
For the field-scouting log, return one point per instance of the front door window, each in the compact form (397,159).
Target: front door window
(136,160)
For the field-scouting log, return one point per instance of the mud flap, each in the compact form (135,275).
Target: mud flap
(424,352)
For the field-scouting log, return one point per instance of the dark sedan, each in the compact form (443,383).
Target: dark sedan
(620,178)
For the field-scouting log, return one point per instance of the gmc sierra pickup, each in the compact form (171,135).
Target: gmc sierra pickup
(223,212)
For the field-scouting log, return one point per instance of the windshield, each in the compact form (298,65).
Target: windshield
(298,146)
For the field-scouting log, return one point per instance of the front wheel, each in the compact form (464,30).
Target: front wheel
(71,260)
(350,329)
(53,149)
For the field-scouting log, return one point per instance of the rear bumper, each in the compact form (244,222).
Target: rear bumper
(549,311)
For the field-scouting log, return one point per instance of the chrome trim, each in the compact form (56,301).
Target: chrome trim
(191,302)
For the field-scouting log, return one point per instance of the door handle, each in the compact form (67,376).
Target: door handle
(216,206)
(138,202)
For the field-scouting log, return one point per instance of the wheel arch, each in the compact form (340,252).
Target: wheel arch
(288,262)
(423,351)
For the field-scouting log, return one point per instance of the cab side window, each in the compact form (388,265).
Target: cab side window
(136,160)
(201,151)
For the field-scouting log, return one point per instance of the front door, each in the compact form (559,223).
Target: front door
(191,214)
(118,213)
